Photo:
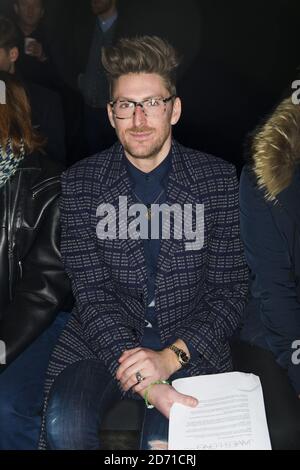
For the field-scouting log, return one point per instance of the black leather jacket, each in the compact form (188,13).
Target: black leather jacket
(33,284)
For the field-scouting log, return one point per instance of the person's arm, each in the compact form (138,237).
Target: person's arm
(104,327)
(42,291)
(271,274)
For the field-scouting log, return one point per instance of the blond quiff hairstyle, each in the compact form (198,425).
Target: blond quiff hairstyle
(145,54)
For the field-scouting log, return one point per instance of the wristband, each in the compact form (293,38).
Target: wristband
(157,382)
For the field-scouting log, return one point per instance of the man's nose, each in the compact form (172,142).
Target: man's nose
(139,116)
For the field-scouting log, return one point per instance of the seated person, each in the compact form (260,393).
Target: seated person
(33,285)
(270,227)
(148,309)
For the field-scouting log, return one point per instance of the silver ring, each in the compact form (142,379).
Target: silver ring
(139,377)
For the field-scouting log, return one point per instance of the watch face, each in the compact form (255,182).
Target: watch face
(183,357)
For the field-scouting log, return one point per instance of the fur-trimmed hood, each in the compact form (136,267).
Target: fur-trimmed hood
(276,149)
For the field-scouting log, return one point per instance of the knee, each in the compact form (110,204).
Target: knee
(7,410)
(15,403)
(18,403)
(57,426)
(66,428)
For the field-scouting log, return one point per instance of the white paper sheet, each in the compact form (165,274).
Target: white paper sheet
(230,414)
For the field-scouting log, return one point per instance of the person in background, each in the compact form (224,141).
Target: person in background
(93,82)
(34,288)
(270,229)
(41,51)
(34,63)
(47,114)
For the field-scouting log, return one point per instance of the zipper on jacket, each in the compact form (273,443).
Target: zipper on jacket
(21,269)
(11,216)
(45,185)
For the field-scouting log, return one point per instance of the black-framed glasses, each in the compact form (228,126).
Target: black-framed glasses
(152,107)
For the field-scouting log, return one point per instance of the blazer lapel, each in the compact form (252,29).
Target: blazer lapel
(119,194)
(119,185)
(179,180)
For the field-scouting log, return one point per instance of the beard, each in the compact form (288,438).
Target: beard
(148,149)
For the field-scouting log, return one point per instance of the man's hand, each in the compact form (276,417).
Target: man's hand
(35,49)
(162,397)
(152,365)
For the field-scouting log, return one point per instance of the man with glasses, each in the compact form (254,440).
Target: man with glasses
(148,308)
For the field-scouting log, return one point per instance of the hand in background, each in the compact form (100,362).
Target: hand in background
(35,49)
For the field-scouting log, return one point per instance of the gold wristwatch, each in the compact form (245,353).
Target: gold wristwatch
(182,357)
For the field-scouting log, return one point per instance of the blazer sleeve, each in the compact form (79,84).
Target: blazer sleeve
(271,281)
(226,285)
(98,310)
(42,291)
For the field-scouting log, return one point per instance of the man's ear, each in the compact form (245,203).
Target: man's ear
(14,54)
(111,115)
(176,112)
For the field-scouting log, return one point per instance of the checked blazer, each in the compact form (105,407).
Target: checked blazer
(199,294)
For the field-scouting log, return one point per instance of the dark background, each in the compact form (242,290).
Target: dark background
(240,58)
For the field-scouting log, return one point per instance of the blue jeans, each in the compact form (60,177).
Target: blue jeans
(81,396)
(155,431)
(79,399)
(22,389)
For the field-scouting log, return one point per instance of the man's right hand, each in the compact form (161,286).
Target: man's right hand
(163,396)
(35,49)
